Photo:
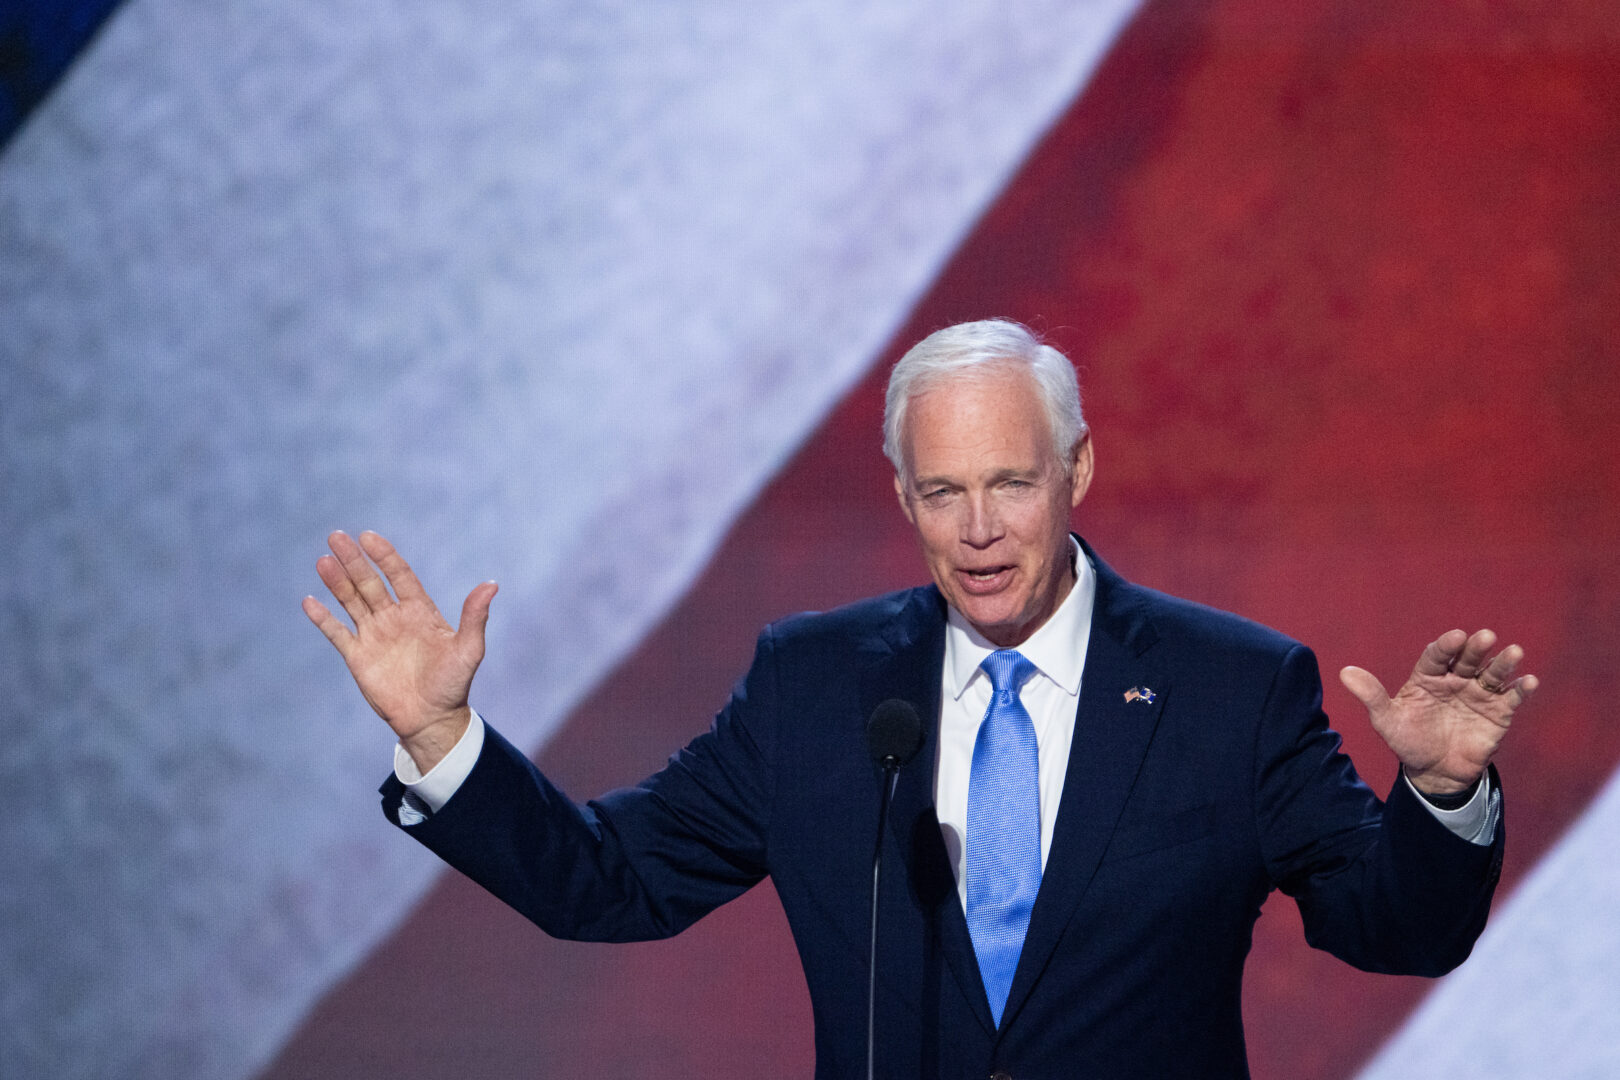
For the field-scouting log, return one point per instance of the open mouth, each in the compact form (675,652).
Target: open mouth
(984,579)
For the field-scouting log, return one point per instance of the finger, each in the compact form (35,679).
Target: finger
(1471,659)
(1439,654)
(1515,693)
(336,580)
(1367,690)
(1522,688)
(393,565)
(370,587)
(474,617)
(329,624)
(1499,672)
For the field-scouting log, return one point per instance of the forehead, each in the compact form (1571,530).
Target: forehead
(985,418)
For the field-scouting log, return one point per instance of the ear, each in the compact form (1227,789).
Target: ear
(905,504)
(1082,469)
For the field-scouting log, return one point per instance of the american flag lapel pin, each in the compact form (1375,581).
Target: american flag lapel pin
(1139,693)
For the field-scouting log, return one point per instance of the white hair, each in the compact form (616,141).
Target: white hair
(975,346)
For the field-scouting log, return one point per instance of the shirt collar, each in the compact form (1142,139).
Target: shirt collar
(1057,649)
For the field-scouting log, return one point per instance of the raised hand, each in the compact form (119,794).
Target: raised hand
(414,669)
(1447,721)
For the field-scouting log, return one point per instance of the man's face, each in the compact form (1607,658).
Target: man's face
(991,500)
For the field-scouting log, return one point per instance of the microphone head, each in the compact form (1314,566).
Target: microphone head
(894,733)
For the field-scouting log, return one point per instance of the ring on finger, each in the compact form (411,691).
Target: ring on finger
(1490,687)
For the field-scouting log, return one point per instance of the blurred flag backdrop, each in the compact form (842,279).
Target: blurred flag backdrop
(597,300)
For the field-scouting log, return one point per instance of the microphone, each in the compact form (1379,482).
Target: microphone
(894,734)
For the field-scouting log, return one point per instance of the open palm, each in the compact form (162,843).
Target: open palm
(413,667)
(1446,722)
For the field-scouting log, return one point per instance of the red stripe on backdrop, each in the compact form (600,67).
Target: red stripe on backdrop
(1341,282)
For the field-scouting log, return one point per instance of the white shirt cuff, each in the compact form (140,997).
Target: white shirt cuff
(426,795)
(1475,820)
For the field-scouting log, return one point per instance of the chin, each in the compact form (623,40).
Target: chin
(991,624)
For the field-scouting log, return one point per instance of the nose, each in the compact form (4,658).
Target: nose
(981,526)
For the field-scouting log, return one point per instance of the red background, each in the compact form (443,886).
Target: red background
(1340,281)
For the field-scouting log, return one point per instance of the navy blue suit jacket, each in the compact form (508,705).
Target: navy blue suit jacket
(1178,817)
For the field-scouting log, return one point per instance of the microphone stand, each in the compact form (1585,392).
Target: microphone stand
(891,776)
(894,735)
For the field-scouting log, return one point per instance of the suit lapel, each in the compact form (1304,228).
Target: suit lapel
(908,668)
(1111,737)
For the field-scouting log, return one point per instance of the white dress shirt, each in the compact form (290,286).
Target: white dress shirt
(1051,697)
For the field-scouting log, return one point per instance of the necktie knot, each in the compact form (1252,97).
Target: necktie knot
(1009,670)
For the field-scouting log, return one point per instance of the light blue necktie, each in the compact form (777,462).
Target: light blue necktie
(1003,828)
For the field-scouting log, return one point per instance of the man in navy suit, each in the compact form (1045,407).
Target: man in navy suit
(1112,780)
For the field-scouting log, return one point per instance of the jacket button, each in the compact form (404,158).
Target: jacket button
(1001,1074)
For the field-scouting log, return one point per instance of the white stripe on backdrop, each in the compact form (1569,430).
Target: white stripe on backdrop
(544,290)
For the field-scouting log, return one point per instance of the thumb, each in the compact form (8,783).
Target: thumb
(1367,689)
(475,615)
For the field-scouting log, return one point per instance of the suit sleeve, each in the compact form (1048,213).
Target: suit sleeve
(636,864)
(1382,885)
